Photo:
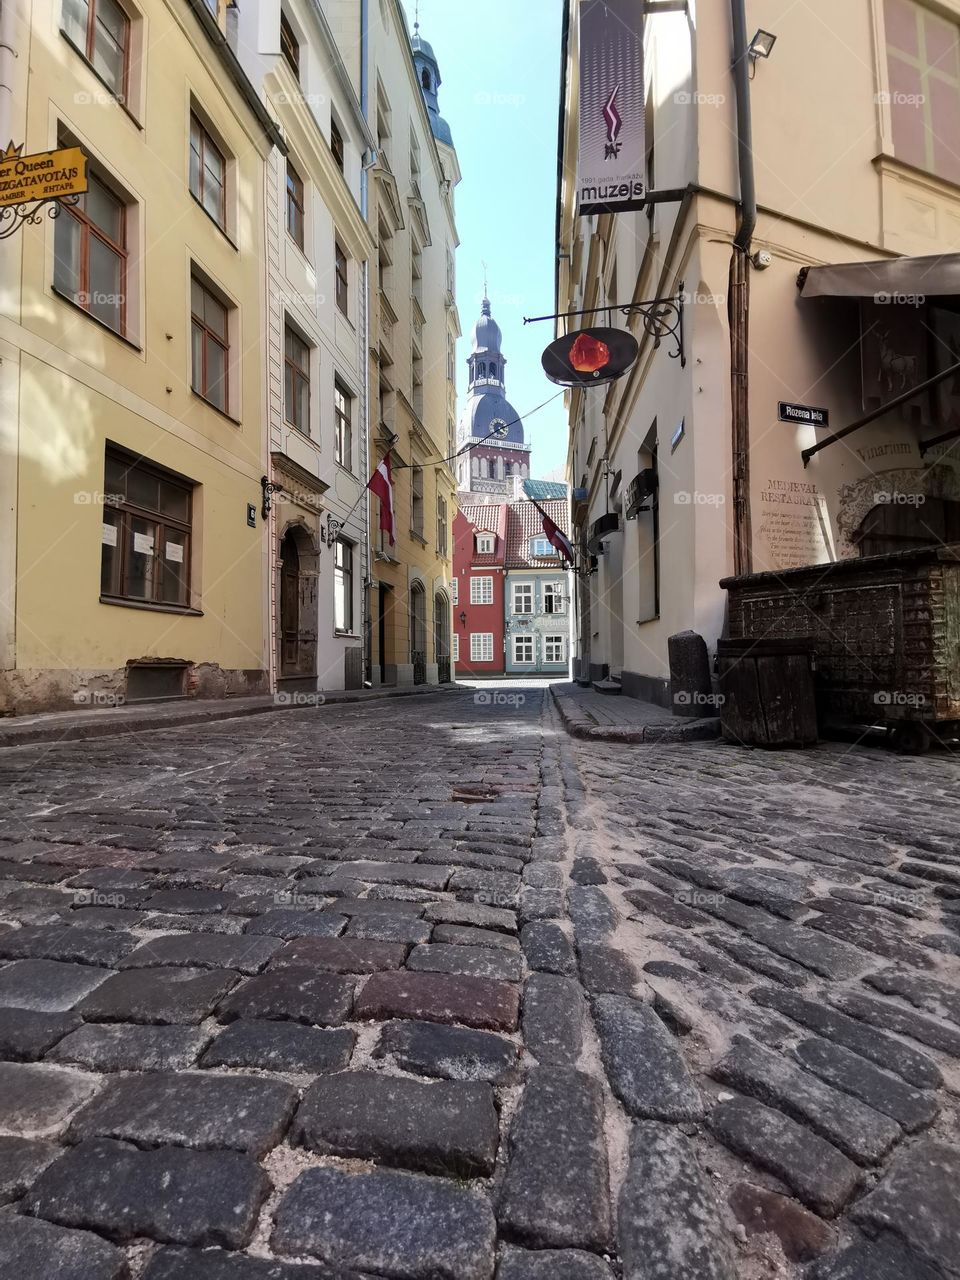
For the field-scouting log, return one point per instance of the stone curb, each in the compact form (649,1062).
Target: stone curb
(580,725)
(103,724)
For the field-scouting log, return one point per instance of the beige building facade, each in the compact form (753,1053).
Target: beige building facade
(685,471)
(134,562)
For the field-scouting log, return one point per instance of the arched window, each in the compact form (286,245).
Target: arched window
(499,468)
(425,79)
(523,471)
(481,368)
(475,466)
(493,369)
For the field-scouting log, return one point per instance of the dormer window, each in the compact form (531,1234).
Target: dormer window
(485,543)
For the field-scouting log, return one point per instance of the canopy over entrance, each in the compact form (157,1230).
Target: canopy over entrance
(935,276)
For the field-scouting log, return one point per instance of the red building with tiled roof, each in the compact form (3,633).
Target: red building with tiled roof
(479,551)
(537,591)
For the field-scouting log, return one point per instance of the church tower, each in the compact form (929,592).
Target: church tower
(490,425)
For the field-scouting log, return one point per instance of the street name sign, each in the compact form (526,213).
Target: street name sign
(802,413)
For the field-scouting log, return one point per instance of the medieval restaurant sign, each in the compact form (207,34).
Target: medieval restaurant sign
(45,175)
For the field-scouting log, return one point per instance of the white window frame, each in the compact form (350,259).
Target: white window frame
(526,639)
(560,640)
(522,590)
(485,543)
(542,547)
(455,591)
(456,647)
(481,646)
(556,591)
(481,590)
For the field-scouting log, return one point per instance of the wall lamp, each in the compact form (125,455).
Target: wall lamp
(463,618)
(761,46)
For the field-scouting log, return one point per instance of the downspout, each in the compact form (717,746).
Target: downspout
(366,160)
(739,298)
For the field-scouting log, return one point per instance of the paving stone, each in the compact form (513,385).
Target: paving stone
(433,997)
(298,995)
(553,1264)
(22,1160)
(474,962)
(340,955)
(215,1264)
(280,1046)
(191,901)
(645,1068)
(917,1201)
(288,923)
(437,1229)
(911,1109)
(670,910)
(157,996)
(592,913)
(472,913)
(124,1047)
(544,875)
(47,986)
(670,1225)
(759,959)
(36,1100)
(25,1036)
(547,948)
(555,1194)
(857,1130)
(439,1127)
(870,932)
(821,955)
(553,1009)
(61,942)
(394,873)
(33,1250)
(587,871)
(541,904)
(454,1053)
(886,1014)
(802,1235)
(374,907)
(604,970)
(169,1194)
(884,1050)
(203,951)
(942,999)
(193,924)
(820,1176)
(390,928)
(883,1259)
(240,1113)
(465,935)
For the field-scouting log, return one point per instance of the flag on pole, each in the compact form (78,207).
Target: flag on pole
(381,485)
(555,535)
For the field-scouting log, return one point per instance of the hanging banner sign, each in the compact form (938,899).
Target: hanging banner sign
(45,175)
(612,159)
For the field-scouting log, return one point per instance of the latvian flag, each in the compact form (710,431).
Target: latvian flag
(556,537)
(381,484)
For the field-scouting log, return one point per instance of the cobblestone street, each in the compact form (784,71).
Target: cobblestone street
(427,989)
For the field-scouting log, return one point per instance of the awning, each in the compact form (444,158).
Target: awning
(935,276)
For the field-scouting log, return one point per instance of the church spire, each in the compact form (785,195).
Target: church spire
(428,73)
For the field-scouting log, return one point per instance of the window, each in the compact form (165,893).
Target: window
(523,597)
(481,646)
(553,598)
(456,647)
(343,410)
(342,281)
(441,526)
(343,585)
(295,219)
(485,544)
(523,648)
(416,271)
(416,501)
(145,549)
(90,255)
(336,144)
(210,345)
(100,31)
(923,62)
(289,45)
(481,590)
(455,591)
(554,649)
(541,547)
(296,381)
(208,172)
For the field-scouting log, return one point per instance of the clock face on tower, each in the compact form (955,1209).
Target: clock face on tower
(498,428)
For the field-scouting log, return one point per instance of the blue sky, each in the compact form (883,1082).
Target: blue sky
(500,84)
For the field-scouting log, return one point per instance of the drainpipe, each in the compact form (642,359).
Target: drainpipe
(739,298)
(365,165)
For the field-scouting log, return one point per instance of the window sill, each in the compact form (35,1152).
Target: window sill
(418,537)
(346,635)
(216,409)
(220,227)
(151,607)
(101,324)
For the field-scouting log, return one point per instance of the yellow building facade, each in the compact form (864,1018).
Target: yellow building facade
(132,369)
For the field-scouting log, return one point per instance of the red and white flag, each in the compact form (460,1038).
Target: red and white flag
(381,484)
(557,538)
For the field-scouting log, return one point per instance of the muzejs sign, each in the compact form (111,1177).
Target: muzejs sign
(612,157)
(46,175)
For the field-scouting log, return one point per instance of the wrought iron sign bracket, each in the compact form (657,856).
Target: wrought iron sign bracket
(662,320)
(30,213)
(268,489)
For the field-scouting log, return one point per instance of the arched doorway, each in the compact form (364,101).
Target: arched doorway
(296,639)
(289,605)
(441,636)
(418,632)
